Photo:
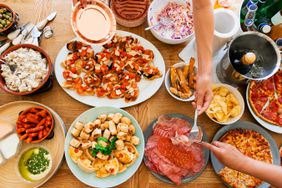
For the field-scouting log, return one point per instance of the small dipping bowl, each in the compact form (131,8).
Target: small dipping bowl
(168,84)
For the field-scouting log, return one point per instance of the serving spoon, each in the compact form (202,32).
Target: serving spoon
(163,21)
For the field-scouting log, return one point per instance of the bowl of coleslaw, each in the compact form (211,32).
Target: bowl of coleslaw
(180,27)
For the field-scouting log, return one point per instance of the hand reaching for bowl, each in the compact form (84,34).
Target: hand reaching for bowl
(203,93)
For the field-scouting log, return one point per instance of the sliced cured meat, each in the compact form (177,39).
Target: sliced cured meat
(162,156)
(167,127)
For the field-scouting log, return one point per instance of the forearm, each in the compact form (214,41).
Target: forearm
(204,31)
(266,172)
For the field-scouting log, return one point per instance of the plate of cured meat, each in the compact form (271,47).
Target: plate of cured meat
(124,72)
(251,140)
(169,159)
(264,99)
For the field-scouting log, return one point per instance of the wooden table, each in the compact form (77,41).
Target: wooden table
(69,109)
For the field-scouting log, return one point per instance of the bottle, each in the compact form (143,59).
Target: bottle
(269,9)
(245,9)
(243,60)
(250,16)
(263,25)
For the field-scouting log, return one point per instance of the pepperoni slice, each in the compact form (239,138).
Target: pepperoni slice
(178,155)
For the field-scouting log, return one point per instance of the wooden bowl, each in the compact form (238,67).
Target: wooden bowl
(13,14)
(52,122)
(36,48)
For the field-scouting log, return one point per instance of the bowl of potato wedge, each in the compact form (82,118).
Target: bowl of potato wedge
(180,80)
(227,105)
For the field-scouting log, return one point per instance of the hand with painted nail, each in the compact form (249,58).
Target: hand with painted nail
(226,154)
(203,94)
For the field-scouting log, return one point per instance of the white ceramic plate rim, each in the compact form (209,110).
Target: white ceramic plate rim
(269,126)
(233,90)
(147,87)
(128,172)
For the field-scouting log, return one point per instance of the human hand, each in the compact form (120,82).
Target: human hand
(203,93)
(227,154)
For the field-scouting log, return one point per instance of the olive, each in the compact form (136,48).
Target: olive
(1,11)
(8,22)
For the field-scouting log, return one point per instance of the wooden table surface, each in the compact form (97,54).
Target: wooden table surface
(69,109)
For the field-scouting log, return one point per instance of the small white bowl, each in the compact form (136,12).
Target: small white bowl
(240,99)
(168,83)
(154,9)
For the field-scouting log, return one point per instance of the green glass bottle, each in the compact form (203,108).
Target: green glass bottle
(270,8)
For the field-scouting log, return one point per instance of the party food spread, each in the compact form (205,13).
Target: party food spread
(251,144)
(34,124)
(170,159)
(183,80)
(130,13)
(265,98)
(182,21)
(114,72)
(107,145)
(224,105)
(24,69)
(6,18)
(35,164)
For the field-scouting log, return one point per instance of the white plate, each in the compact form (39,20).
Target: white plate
(90,179)
(147,87)
(269,126)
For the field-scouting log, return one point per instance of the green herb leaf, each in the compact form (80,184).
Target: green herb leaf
(112,144)
(102,139)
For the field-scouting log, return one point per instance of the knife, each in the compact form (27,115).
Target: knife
(44,22)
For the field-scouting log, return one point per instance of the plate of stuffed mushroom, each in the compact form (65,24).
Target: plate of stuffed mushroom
(104,147)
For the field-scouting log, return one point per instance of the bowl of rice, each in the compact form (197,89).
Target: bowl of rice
(24,69)
(180,27)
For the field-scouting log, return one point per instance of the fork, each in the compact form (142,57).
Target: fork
(194,133)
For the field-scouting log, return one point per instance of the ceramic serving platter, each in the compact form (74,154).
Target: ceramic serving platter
(10,176)
(90,179)
(217,166)
(147,87)
(187,179)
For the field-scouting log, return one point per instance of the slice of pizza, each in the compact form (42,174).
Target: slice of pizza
(278,82)
(229,176)
(245,180)
(260,93)
(272,113)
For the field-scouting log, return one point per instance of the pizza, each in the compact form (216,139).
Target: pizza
(251,144)
(265,98)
